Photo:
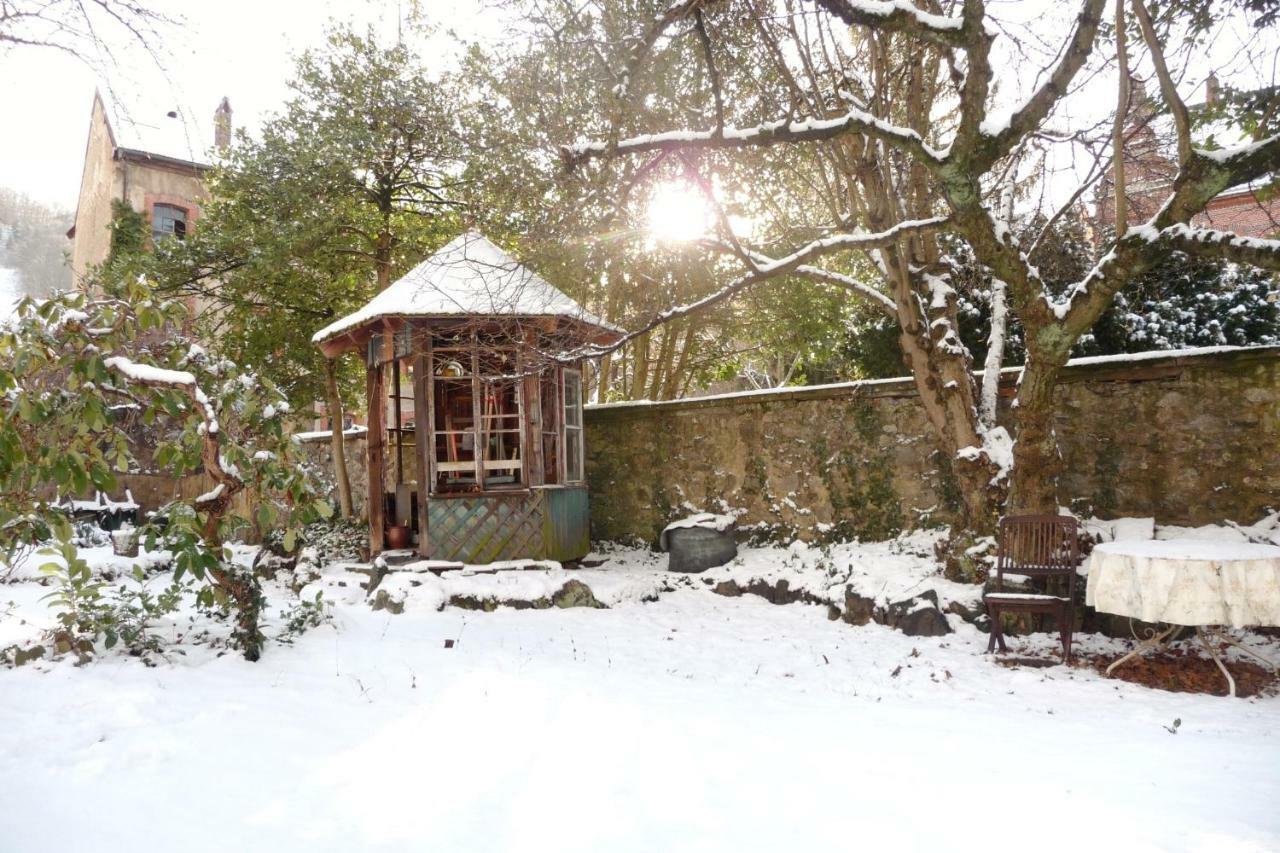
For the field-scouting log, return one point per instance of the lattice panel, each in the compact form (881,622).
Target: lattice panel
(487,528)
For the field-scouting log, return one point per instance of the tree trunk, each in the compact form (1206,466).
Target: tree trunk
(666,354)
(382,260)
(945,386)
(1036,460)
(240,584)
(604,378)
(675,380)
(995,355)
(337,442)
(640,369)
(1117,128)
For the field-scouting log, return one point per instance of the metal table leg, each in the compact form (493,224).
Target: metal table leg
(1213,653)
(1221,634)
(1205,633)
(1158,641)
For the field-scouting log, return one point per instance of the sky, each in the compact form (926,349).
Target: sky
(244,49)
(241,49)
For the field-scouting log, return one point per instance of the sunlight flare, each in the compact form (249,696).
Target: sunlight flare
(678,212)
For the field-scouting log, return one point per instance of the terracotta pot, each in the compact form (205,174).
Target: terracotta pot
(399,536)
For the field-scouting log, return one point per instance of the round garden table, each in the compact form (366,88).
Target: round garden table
(1202,584)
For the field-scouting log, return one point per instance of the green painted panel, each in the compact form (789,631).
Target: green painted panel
(566,530)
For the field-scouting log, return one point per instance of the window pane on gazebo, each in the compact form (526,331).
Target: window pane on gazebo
(572,398)
(455,437)
(500,432)
(572,426)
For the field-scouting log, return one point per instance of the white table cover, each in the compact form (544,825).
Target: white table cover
(1187,582)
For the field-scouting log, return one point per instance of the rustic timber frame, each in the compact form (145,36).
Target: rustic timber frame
(437,476)
(474,396)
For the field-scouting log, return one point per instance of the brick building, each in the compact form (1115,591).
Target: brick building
(158,168)
(1150,168)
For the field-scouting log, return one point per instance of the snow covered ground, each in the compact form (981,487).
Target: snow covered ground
(689,722)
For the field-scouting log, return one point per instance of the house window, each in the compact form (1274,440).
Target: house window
(573,462)
(167,221)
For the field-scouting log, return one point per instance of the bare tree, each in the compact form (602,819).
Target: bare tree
(92,31)
(893,109)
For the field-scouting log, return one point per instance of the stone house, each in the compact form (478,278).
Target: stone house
(158,168)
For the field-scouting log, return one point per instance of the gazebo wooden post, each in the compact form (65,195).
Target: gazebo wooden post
(477,413)
(377,436)
(531,388)
(423,439)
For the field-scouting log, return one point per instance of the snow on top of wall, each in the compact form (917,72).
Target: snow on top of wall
(1150,355)
(324,434)
(468,277)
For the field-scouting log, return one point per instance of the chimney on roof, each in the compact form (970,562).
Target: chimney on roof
(1212,90)
(222,127)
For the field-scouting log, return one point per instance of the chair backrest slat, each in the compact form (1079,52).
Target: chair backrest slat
(1037,545)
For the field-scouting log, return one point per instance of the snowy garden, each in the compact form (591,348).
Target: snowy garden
(664,425)
(662,716)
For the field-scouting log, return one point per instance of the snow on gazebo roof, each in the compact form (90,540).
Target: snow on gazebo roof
(469,277)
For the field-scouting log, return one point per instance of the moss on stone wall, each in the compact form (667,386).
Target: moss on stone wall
(869,507)
(1106,472)
(1188,440)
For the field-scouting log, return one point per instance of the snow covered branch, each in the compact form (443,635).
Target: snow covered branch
(1264,254)
(899,15)
(797,262)
(1004,134)
(860,240)
(768,268)
(769,133)
(227,483)
(875,297)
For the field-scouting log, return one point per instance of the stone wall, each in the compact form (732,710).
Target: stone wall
(318,449)
(1189,438)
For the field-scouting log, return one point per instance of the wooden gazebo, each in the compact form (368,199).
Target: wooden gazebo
(475,441)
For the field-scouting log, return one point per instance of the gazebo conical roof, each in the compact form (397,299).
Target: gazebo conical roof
(469,278)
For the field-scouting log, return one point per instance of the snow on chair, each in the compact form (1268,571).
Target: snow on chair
(1036,546)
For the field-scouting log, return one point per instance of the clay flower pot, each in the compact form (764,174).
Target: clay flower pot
(399,536)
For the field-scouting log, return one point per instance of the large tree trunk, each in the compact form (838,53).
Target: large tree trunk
(333,401)
(1036,460)
(945,385)
(928,319)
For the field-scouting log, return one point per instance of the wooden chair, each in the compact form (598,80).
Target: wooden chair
(1037,546)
